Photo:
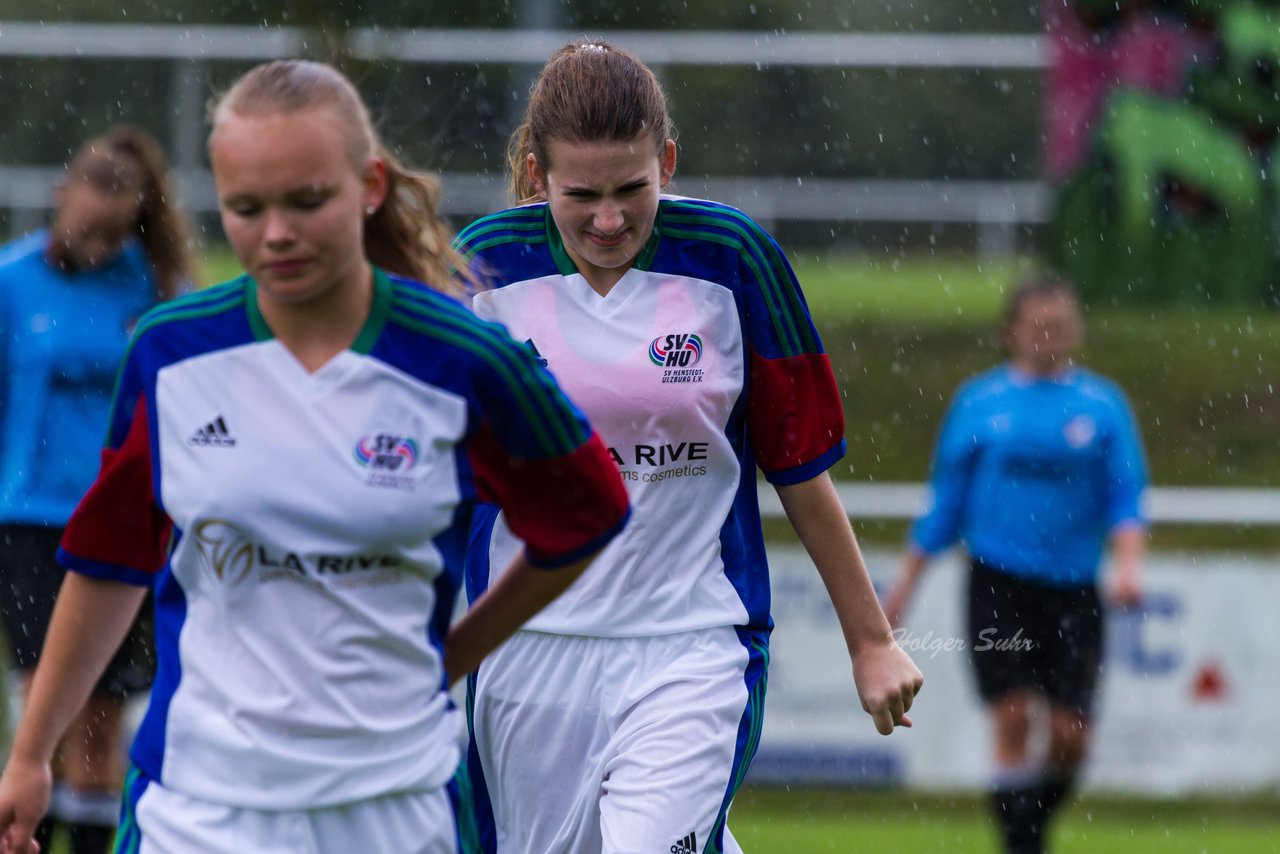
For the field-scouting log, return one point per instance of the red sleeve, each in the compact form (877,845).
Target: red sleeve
(562,507)
(118,531)
(795,417)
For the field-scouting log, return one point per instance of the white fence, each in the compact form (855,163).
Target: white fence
(472,46)
(1164,505)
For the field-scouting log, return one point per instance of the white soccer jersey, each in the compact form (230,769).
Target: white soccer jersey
(699,364)
(304,532)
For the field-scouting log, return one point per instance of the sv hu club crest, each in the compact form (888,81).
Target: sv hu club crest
(386,452)
(683,350)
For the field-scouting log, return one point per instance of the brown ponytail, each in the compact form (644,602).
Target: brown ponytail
(589,91)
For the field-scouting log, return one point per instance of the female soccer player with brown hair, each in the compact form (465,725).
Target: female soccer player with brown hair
(69,294)
(624,718)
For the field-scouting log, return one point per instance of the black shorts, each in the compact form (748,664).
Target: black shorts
(1027,635)
(30,578)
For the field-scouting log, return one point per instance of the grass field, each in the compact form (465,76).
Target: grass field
(929,291)
(851,821)
(863,821)
(218,265)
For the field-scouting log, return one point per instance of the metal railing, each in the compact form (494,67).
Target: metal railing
(467,46)
(1165,504)
(996,208)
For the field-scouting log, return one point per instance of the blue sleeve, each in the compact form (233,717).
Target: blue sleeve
(6,344)
(795,413)
(952,470)
(1126,468)
(6,380)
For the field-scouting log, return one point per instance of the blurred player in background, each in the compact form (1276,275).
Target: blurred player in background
(1038,465)
(69,295)
(291,462)
(625,717)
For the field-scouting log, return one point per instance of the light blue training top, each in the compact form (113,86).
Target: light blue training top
(62,336)
(1032,474)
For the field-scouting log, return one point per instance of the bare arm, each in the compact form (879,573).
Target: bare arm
(521,592)
(1128,548)
(914,563)
(885,676)
(90,620)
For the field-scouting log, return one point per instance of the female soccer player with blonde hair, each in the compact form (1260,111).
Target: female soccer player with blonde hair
(291,465)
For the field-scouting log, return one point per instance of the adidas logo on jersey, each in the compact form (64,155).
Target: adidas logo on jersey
(213,435)
(688,845)
(536,355)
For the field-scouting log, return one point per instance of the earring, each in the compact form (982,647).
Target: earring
(369,211)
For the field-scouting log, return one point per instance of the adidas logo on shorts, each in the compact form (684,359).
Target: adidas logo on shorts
(688,845)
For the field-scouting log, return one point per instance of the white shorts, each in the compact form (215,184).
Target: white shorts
(156,820)
(616,745)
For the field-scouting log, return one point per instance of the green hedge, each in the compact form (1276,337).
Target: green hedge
(1172,208)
